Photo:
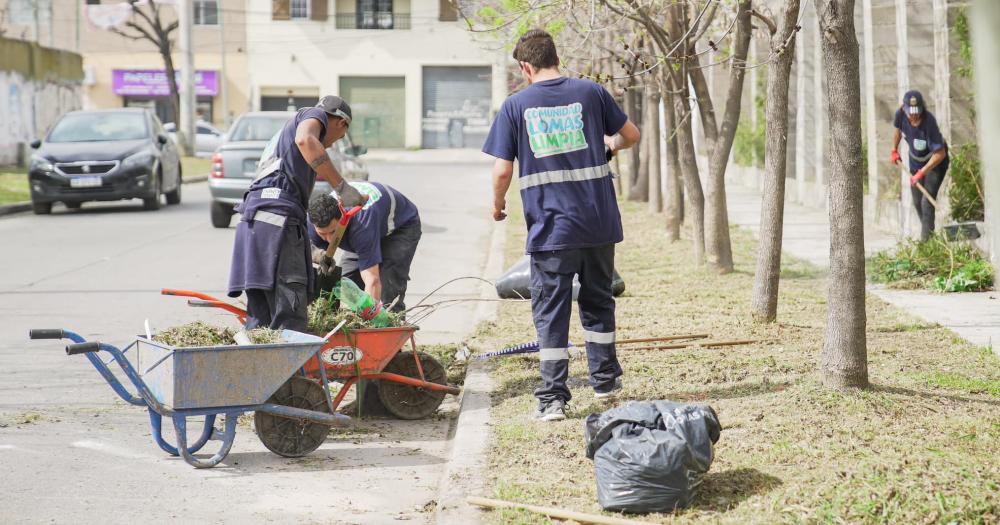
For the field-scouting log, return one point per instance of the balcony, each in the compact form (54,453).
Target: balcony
(373,20)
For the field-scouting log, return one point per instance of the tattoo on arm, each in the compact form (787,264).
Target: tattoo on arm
(319,161)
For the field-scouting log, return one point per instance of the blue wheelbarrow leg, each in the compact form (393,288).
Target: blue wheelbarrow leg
(180,427)
(156,420)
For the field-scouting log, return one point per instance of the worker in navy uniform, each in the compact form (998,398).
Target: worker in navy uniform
(271,255)
(561,131)
(378,244)
(928,154)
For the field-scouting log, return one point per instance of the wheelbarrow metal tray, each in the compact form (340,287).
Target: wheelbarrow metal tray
(221,376)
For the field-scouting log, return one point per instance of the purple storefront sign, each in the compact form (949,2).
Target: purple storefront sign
(153,82)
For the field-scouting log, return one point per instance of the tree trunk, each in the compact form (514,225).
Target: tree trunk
(626,159)
(718,245)
(672,194)
(695,209)
(175,98)
(640,190)
(764,299)
(652,129)
(844,361)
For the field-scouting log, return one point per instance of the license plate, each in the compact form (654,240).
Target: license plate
(85,182)
(250,166)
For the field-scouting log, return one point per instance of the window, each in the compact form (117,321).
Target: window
(374,14)
(448,11)
(206,12)
(93,2)
(300,9)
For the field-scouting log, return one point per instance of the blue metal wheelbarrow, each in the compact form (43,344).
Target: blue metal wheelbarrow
(293,414)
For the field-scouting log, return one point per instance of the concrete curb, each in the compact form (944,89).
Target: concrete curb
(17,207)
(464,472)
(192,180)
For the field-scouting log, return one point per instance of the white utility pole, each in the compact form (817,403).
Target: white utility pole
(222,66)
(185,17)
(986,46)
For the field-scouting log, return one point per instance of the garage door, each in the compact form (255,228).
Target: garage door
(456,106)
(378,107)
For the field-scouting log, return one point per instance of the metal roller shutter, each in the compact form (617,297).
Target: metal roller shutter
(456,106)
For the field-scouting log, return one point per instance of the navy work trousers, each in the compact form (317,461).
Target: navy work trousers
(551,306)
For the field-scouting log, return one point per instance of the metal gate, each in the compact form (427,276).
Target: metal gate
(456,106)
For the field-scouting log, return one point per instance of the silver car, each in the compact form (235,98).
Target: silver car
(235,162)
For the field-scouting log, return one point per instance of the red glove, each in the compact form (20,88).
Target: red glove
(916,177)
(894,157)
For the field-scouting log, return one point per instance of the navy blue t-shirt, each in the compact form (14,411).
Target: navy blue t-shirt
(922,140)
(299,177)
(555,130)
(386,210)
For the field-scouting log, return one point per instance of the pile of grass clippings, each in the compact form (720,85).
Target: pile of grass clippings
(323,317)
(935,264)
(204,334)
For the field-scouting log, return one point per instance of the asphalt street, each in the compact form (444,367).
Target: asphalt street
(72,452)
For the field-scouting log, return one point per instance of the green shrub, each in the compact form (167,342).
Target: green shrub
(966,191)
(935,264)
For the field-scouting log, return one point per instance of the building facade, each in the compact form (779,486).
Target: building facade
(125,72)
(412,73)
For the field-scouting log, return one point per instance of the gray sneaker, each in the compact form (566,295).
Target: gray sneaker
(608,394)
(552,411)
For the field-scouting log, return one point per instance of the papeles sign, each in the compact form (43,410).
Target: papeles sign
(153,82)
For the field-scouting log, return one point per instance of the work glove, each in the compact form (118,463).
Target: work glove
(916,177)
(326,265)
(349,195)
(894,157)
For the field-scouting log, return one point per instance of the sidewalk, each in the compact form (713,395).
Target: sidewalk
(973,316)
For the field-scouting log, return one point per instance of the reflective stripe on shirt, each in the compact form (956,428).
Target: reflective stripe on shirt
(391,220)
(925,158)
(552,177)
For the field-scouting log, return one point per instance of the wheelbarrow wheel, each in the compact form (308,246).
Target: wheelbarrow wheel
(410,402)
(293,438)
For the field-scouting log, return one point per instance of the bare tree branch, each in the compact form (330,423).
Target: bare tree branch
(764,18)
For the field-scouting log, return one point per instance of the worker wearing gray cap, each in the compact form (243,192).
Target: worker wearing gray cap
(271,254)
(928,152)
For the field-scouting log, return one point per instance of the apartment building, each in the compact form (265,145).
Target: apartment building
(120,71)
(412,73)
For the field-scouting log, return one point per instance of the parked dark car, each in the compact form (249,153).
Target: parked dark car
(105,155)
(235,162)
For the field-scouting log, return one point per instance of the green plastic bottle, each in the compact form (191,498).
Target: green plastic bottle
(357,300)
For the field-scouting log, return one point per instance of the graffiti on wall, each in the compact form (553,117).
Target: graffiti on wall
(28,109)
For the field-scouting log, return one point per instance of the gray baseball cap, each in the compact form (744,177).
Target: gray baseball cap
(336,106)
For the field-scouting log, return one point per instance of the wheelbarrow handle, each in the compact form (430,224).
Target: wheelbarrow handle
(46,333)
(83,348)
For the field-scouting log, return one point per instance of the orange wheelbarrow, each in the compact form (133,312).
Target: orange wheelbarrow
(412,384)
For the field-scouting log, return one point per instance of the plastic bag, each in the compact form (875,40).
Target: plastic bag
(513,284)
(650,456)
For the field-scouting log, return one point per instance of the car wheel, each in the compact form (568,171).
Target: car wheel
(41,208)
(174,197)
(222,214)
(153,203)
(73,205)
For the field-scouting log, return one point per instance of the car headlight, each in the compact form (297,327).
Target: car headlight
(41,163)
(143,158)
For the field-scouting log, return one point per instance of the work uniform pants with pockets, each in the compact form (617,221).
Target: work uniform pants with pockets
(398,249)
(551,305)
(925,210)
(284,306)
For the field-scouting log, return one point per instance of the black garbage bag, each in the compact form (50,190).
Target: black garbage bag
(650,456)
(513,284)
